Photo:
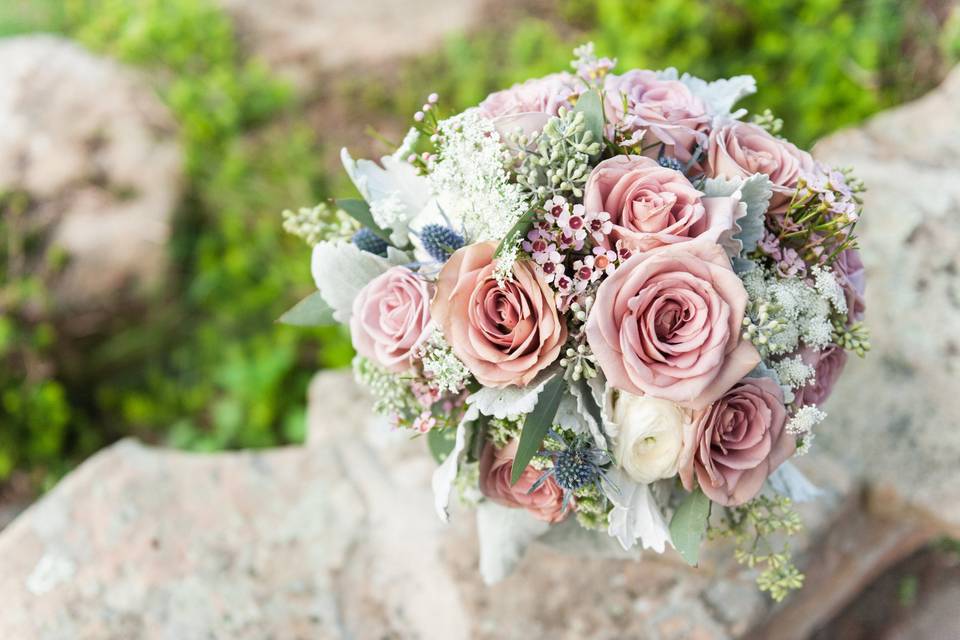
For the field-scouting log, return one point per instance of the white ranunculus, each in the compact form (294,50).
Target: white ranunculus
(649,436)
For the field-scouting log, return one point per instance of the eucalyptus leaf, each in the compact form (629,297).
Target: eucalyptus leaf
(360,211)
(518,230)
(590,104)
(312,311)
(441,442)
(689,525)
(536,425)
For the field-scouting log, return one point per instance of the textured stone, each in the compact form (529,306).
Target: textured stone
(93,150)
(305,39)
(894,418)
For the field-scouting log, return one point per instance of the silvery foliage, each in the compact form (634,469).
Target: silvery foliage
(504,534)
(719,95)
(340,270)
(635,515)
(394,190)
(510,402)
(755,193)
(789,481)
(445,475)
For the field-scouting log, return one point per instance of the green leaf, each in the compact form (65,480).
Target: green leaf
(537,424)
(312,311)
(360,211)
(520,227)
(689,525)
(591,105)
(441,443)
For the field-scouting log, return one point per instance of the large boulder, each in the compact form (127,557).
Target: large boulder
(305,40)
(90,169)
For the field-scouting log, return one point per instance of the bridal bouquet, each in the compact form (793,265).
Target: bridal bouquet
(612,304)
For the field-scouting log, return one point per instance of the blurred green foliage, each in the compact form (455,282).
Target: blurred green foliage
(819,64)
(203,365)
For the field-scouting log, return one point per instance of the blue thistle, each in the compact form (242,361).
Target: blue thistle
(440,241)
(670,163)
(367,240)
(579,464)
(574,467)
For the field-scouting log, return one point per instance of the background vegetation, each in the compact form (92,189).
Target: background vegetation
(202,365)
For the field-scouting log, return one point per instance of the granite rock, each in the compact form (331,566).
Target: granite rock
(305,39)
(90,151)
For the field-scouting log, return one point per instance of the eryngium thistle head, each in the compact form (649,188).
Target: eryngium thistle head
(440,241)
(367,240)
(573,468)
(670,163)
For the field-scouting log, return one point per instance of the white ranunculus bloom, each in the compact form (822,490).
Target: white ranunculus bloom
(649,436)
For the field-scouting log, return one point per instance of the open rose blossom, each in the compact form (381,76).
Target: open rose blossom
(545,503)
(651,206)
(667,324)
(741,149)
(733,445)
(504,335)
(540,95)
(828,365)
(391,318)
(638,102)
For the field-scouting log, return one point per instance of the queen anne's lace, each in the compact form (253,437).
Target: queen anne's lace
(468,168)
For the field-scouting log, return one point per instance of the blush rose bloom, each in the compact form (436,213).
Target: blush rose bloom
(828,365)
(741,149)
(652,206)
(391,318)
(507,335)
(667,324)
(546,503)
(539,95)
(733,445)
(649,437)
(667,110)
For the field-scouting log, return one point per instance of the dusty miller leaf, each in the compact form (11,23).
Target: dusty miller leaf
(341,270)
(635,515)
(312,311)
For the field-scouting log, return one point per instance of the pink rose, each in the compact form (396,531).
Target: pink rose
(741,149)
(638,101)
(733,445)
(504,335)
(540,95)
(828,365)
(652,206)
(850,273)
(667,324)
(391,317)
(546,503)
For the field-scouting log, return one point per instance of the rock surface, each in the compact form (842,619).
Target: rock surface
(896,424)
(338,539)
(304,39)
(91,151)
